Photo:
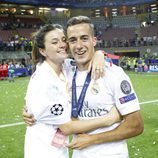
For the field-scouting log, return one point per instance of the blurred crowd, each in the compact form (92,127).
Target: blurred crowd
(16,43)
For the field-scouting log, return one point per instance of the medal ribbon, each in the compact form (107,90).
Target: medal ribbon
(77,105)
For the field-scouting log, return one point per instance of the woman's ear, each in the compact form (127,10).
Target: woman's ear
(42,52)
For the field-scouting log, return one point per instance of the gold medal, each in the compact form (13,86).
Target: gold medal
(95,88)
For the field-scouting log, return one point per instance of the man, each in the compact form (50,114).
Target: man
(95,99)
(113,89)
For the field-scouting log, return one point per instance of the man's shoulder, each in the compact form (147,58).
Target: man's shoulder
(112,68)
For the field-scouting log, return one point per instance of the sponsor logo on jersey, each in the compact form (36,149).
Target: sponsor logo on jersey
(127,98)
(87,111)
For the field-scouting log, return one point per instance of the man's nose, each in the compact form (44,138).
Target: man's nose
(78,44)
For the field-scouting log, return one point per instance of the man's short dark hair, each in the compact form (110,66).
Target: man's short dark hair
(79,20)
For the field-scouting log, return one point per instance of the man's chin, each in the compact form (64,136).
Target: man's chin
(81,61)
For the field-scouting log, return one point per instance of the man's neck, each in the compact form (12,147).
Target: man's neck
(83,67)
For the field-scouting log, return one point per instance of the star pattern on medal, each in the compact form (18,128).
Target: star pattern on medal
(57,109)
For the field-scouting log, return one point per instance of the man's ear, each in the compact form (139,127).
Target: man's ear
(42,51)
(94,41)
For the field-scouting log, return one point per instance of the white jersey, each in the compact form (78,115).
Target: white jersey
(114,89)
(48,100)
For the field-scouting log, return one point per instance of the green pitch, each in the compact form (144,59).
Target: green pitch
(12,101)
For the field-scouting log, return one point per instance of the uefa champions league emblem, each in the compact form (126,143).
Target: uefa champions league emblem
(95,88)
(57,109)
(125,87)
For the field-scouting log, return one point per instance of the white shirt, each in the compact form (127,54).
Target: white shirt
(48,100)
(114,88)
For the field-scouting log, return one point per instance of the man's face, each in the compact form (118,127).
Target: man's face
(81,43)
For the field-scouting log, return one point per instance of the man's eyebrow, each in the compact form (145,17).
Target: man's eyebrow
(84,36)
(80,37)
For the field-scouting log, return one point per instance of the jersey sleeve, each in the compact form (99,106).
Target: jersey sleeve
(46,102)
(69,67)
(124,95)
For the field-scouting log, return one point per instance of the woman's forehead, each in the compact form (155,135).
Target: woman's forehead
(57,33)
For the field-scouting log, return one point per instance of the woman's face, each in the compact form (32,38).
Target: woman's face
(55,47)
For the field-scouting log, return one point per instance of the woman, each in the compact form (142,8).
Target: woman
(48,99)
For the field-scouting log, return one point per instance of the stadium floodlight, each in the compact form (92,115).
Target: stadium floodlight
(154,11)
(60,9)
(153,5)
(154,8)
(45,8)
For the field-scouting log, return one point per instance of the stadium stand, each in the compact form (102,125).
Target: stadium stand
(126,21)
(120,25)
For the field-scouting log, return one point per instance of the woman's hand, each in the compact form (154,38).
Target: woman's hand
(97,65)
(28,118)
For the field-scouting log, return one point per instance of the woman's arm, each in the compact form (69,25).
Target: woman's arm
(81,126)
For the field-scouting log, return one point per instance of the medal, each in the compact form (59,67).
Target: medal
(95,88)
(77,104)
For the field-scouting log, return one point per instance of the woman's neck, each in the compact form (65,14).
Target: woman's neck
(56,67)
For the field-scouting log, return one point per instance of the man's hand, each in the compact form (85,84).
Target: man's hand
(28,118)
(81,141)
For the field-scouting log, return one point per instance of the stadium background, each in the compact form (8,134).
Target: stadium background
(127,29)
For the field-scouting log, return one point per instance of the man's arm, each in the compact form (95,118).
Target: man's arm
(132,125)
(81,126)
